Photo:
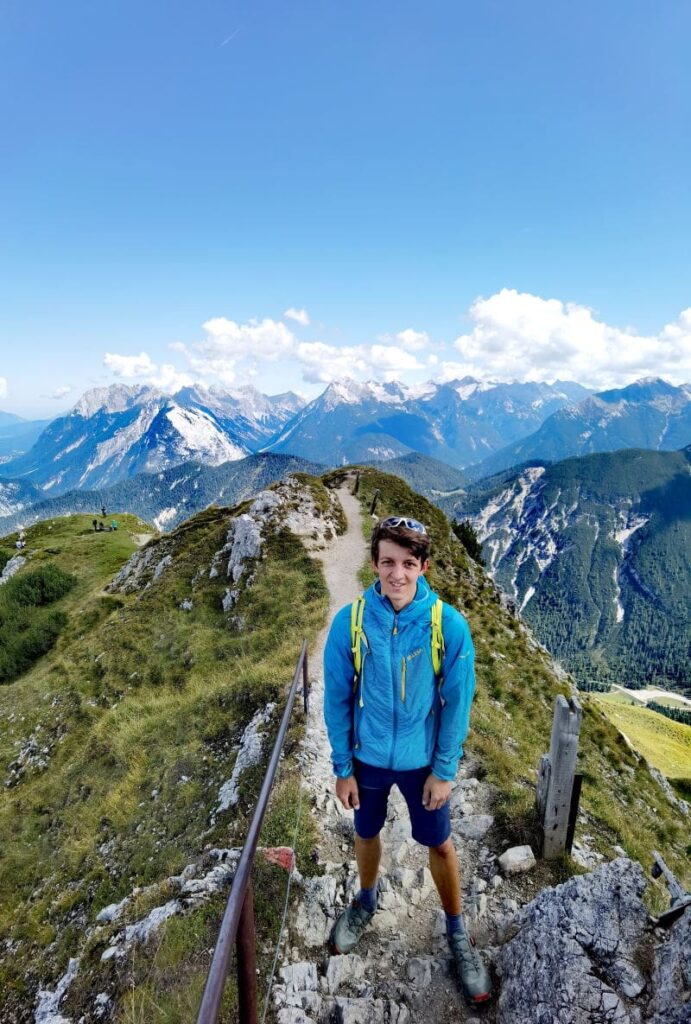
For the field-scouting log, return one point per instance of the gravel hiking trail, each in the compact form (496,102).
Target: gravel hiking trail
(400,972)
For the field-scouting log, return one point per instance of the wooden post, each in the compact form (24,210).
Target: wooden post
(556,774)
(374,501)
(247,961)
(356,488)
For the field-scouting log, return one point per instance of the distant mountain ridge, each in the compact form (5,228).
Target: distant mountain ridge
(649,413)
(596,552)
(114,433)
(165,499)
(457,422)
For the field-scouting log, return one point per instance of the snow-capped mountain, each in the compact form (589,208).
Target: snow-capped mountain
(596,553)
(649,413)
(458,422)
(113,433)
(249,416)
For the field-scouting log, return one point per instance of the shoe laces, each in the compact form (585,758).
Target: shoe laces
(462,945)
(359,915)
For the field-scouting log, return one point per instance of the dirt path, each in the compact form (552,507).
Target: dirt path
(400,972)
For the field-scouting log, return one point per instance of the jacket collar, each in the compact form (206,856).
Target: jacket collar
(418,607)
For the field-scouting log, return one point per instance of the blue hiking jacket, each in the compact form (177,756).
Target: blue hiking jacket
(397,717)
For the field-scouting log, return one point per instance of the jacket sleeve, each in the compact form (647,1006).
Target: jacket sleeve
(456,693)
(338,693)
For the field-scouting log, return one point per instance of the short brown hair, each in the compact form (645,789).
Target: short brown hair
(417,543)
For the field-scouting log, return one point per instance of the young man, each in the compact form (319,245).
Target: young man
(395,721)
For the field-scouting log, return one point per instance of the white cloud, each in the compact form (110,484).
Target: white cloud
(519,336)
(169,379)
(60,392)
(301,316)
(3,387)
(130,366)
(413,341)
(322,363)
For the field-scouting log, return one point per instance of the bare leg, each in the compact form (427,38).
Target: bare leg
(443,863)
(368,855)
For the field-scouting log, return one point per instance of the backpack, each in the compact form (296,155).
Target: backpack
(357,612)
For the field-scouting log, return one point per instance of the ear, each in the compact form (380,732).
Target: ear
(425,567)
(375,567)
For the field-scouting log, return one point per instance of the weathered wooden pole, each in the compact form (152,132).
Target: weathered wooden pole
(556,776)
(247,961)
(356,488)
(375,496)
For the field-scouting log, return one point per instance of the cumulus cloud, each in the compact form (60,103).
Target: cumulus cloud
(60,392)
(3,387)
(130,367)
(322,363)
(142,367)
(413,341)
(300,316)
(520,336)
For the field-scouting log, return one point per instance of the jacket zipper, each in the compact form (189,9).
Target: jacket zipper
(394,645)
(404,669)
(361,698)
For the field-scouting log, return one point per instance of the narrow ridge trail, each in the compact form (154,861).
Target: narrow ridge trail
(401,972)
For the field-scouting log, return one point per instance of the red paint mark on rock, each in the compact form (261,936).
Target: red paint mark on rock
(284,856)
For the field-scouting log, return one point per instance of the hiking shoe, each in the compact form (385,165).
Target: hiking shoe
(349,927)
(471,971)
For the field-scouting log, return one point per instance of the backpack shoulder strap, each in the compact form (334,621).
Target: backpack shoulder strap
(437,636)
(357,611)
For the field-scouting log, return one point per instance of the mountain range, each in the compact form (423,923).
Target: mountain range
(596,553)
(114,433)
(163,499)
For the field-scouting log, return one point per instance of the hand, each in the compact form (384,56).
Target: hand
(347,792)
(435,793)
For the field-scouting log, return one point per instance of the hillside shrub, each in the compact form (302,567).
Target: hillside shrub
(39,587)
(28,629)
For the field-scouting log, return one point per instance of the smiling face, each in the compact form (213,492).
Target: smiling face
(399,570)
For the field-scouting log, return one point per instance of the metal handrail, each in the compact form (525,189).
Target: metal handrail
(238,919)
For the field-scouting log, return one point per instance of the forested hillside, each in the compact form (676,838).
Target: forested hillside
(596,552)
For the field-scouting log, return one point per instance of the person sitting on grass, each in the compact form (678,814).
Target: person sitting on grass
(392,719)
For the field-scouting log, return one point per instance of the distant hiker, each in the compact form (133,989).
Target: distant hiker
(101,527)
(94,523)
(103,511)
(399,680)
(113,525)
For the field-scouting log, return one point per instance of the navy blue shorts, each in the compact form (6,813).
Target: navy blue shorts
(430,828)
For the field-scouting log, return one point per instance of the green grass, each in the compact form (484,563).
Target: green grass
(666,744)
(138,696)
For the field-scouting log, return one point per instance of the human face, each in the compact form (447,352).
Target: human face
(399,571)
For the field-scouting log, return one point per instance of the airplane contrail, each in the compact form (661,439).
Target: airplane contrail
(231,36)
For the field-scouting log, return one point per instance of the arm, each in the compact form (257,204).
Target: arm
(457,695)
(338,694)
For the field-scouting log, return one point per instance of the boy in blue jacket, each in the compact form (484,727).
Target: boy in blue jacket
(396,721)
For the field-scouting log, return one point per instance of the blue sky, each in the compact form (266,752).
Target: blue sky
(439,188)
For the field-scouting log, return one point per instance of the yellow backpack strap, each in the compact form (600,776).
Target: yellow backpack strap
(437,637)
(357,611)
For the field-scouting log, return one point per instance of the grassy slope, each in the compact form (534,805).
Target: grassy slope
(140,696)
(512,714)
(662,741)
(146,695)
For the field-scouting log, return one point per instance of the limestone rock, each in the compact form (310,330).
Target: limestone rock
(343,969)
(671,1000)
(517,859)
(576,948)
(475,826)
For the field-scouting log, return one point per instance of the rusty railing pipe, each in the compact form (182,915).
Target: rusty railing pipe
(215,983)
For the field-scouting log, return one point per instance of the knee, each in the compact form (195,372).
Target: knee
(372,841)
(445,849)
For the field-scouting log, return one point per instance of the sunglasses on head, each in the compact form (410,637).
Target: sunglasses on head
(412,524)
